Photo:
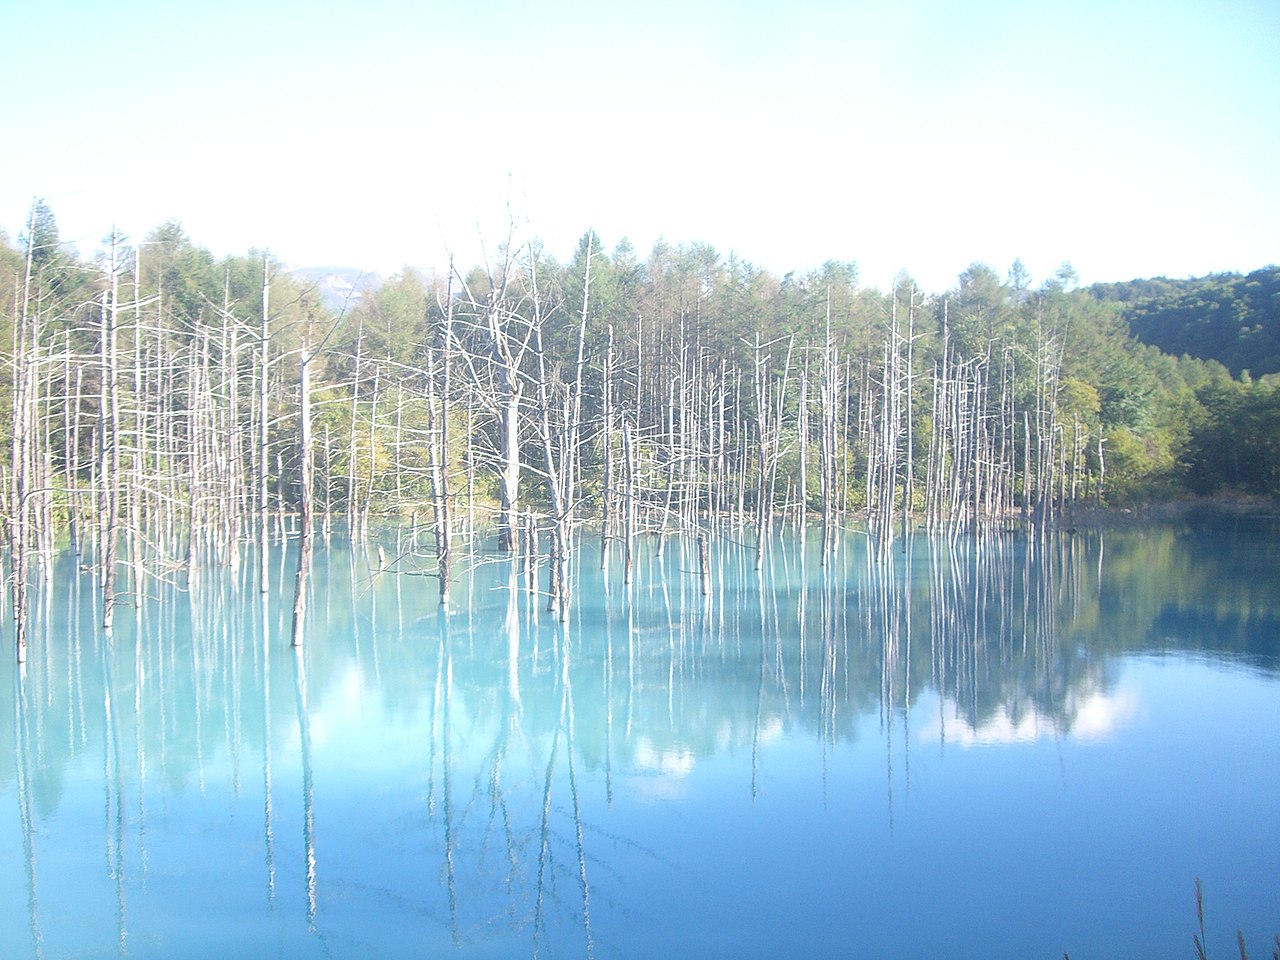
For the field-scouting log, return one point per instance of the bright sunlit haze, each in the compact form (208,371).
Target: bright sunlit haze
(1131,139)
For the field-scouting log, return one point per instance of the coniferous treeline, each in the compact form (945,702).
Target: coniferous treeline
(165,408)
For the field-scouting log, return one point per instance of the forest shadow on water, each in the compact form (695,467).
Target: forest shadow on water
(993,746)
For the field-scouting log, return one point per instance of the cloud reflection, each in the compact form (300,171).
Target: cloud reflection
(1091,717)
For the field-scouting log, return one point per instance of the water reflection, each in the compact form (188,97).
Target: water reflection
(472,775)
(22,750)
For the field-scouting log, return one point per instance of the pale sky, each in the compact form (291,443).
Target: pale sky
(1130,138)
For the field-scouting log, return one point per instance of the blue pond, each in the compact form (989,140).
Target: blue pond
(975,748)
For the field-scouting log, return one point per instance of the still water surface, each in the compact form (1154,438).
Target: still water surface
(976,750)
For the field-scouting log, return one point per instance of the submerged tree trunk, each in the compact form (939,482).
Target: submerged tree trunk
(264,430)
(109,436)
(509,451)
(22,425)
(305,497)
(438,394)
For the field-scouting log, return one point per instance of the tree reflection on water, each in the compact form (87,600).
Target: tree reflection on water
(455,762)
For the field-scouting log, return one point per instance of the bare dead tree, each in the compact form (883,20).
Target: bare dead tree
(306,480)
(439,389)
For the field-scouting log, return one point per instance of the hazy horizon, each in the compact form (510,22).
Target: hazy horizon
(1130,140)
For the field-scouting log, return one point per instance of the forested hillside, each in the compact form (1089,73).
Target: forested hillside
(171,405)
(1228,317)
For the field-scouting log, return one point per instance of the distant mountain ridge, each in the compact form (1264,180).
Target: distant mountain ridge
(340,287)
(1229,317)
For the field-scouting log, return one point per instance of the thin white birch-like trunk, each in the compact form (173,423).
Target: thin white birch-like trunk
(305,497)
(264,433)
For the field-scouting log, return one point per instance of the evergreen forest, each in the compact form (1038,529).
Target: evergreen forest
(1231,318)
(164,407)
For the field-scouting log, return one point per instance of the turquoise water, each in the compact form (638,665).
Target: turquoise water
(973,750)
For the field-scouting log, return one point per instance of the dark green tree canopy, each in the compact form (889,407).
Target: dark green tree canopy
(40,235)
(1228,317)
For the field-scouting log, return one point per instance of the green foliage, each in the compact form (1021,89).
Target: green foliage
(1235,446)
(1169,425)
(1227,317)
(40,236)
(185,276)
(1140,466)
(390,326)
(980,313)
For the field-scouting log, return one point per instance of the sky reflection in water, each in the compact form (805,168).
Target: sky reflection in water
(988,750)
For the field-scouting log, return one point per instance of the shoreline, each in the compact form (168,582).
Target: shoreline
(1101,517)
